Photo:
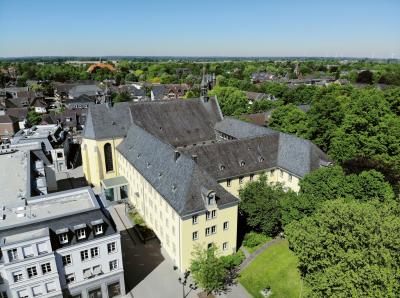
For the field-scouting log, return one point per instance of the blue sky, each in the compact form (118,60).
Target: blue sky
(200,28)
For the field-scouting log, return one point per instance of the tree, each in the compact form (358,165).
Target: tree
(121,97)
(33,118)
(289,119)
(232,100)
(208,270)
(260,205)
(349,248)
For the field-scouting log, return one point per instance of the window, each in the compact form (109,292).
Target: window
(32,271)
(94,252)
(111,247)
(225,246)
(37,291)
(194,219)
(98,229)
(23,294)
(213,229)
(63,238)
(59,155)
(281,173)
(241,180)
(42,248)
(81,234)
(12,254)
(87,273)
(113,265)
(211,199)
(251,177)
(226,225)
(114,290)
(228,182)
(51,287)
(69,278)
(209,245)
(290,178)
(97,270)
(66,260)
(208,231)
(108,157)
(46,268)
(211,215)
(27,251)
(95,293)
(84,255)
(195,235)
(17,276)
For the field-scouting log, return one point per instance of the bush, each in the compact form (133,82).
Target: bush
(233,261)
(253,239)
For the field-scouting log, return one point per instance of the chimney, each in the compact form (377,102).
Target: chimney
(176,155)
(194,156)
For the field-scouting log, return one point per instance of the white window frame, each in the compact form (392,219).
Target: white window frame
(12,254)
(226,225)
(85,254)
(32,271)
(94,252)
(195,235)
(113,265)
(17,276)
(81,234)
(208,231)
(195,219)
(113,246)
(225,246)
(98,229)
(63,238)
(69,278)
(67,258)
(46,267)
(27,247)
(213,229)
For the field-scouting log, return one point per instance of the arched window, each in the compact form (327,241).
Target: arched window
(108,157)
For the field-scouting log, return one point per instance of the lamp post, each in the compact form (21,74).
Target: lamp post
(183,281)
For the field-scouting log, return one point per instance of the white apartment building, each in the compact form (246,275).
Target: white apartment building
(60,245)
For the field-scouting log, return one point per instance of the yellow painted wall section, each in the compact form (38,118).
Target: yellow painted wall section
(229,235)
(94,162)
(273,176)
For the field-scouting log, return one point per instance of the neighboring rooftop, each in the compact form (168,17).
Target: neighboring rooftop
(49,206)
(13,178)
(240,129)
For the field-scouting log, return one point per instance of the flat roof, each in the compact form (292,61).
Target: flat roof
(26,236)
(13,177)
(114,182)
(50,206)
(37,131)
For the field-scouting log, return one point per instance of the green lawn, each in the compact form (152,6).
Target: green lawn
(253,249)
(276,267)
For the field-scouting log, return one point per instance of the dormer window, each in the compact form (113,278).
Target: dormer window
(97,227)
(63,238)
(80,231)
(221,167)
(260,159)
(63,235)
(242,163)
(211,199)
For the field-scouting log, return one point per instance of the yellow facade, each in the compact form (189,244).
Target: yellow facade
(175,232)
(235,184)
(93,160)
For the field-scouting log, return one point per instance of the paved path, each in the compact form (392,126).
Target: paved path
(255,254)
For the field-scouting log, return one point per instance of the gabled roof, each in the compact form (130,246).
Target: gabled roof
(89,90)
(180,181)
(19,113)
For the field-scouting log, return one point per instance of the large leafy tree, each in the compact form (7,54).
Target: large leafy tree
(289,119)
(232,100)
(349,248)
(260,205)
(208,270)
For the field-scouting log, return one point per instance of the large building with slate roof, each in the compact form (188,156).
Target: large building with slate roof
(184,164)
(60,245)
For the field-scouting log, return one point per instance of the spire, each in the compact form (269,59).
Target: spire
(204,86)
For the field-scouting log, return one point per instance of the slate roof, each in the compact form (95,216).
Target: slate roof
(240,129)
(239,157)
(19,113)
(180,181)
(89,90)
(179,122)
(8,119)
